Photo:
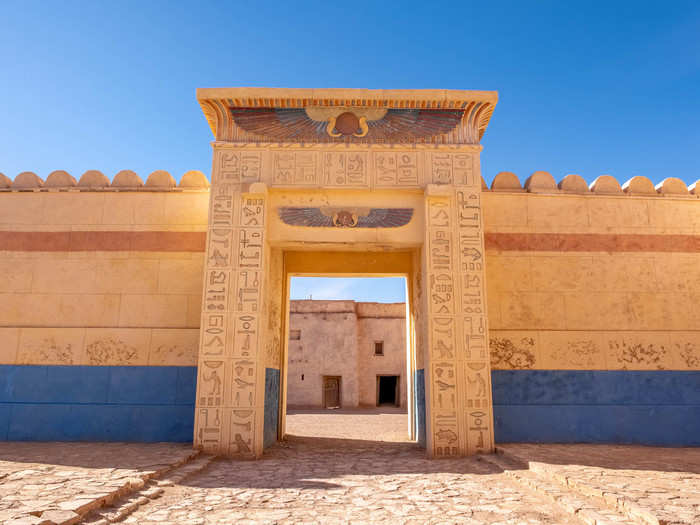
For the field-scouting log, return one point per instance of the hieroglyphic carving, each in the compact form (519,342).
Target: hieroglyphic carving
(295,168)
(345,169)
(457,309)
(452,168)
(227,397)
(241,433)
(395,169)
(235,167)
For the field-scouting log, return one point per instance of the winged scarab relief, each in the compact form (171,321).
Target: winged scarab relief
(342,123)
(327,217)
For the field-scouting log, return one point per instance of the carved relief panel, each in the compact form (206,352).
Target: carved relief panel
(228,390)
(460,381)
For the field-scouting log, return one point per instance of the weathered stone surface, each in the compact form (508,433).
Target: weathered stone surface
(60,480)
(61,517)
(127,179)
(60,179)
(573,184)
(194,179)
(160,179)
(506,181)
(540,182)
(93,179)
(672,186)
(27,180)
(605,184)
(639,185)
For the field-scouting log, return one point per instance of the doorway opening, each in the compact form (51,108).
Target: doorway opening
(331,391)
(348,345)
(388,391)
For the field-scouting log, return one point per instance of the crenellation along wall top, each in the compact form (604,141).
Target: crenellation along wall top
(94,180)
(542,182)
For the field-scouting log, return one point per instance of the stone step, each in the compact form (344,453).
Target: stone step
(579,507)
(119,510)
(612,501)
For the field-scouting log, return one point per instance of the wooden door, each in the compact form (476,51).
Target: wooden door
(331,392)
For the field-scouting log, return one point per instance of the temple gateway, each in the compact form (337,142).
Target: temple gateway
(539,312)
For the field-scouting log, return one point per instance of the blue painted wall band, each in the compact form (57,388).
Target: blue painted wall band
(419,389)
(272,405)
(148,404)
(595,406)
(97,403)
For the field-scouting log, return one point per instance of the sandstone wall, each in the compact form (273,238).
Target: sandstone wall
(336,338)
(593,306)
(387,323)
(106,279)
(327,346)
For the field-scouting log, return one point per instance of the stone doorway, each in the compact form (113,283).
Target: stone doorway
(331,392)
(295,190)
(295,264)
(388,390)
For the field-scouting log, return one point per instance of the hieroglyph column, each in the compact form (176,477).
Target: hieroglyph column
(461,411)
(230,382)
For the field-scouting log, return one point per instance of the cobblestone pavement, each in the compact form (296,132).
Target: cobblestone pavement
(380,424)
(660,482)
(322,480)
(347,479)
(70,477)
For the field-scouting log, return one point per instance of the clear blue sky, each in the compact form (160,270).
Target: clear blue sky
(372,289)
(587,87)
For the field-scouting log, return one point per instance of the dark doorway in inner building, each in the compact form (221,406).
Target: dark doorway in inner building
(388,390)
(331,391)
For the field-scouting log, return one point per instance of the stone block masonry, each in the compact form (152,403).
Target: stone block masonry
(579,303)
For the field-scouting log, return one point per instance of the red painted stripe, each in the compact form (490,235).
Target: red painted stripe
(591,242)
(109,241)
(159,241)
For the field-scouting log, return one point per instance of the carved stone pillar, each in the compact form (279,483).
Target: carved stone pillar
(231,372)
(459,385)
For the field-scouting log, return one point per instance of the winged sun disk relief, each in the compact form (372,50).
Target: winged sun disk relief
(317,123)
(325,217)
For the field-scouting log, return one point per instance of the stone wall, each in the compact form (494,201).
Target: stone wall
(336,338)
(593,298)
(100,300)
(593,306)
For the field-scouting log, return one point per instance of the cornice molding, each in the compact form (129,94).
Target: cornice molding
(410,117)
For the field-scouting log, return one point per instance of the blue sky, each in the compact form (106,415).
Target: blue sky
(585,87)
(588,87)
(372,289)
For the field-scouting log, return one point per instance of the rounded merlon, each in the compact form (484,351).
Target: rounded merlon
(160,179)
(127,179)
(93,179)
(672,186)
(60,179)
(194,179)
(506,181)
(639,185)
(573,183)
(27,180)
(605,184)
(541,181)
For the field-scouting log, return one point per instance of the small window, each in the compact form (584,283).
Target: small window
(295,335)
(379,348)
